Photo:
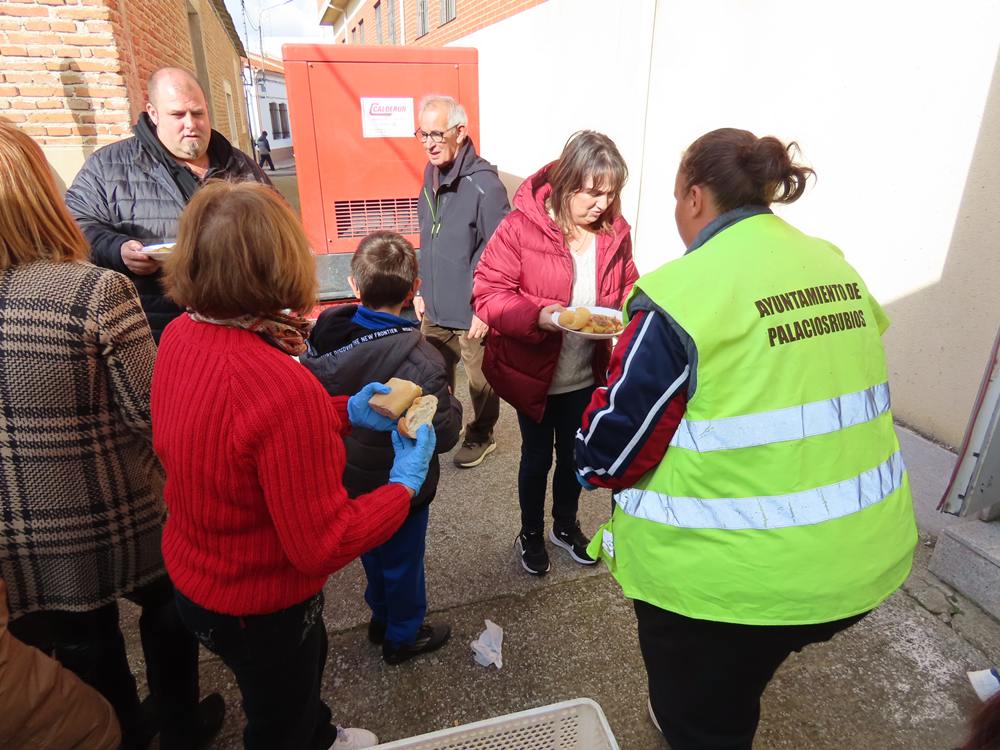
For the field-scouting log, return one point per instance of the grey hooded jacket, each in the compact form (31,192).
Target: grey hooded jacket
(459,210)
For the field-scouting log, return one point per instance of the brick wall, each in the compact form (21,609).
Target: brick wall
(61,77)
(470,16)
(224,65)
(155,33)
(150,34)
(73,72)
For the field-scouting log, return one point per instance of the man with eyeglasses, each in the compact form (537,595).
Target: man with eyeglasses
(461,204)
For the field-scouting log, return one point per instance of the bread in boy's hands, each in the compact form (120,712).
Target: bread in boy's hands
(574,319)
(394,403)
(421,411)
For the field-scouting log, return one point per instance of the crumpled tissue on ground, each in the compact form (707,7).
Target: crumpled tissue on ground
(488,647)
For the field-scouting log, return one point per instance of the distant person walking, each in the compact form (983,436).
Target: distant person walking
(131,193)
(461,204)
(264,151)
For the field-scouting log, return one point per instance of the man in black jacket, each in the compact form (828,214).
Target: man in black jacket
(131,193)
(461,204)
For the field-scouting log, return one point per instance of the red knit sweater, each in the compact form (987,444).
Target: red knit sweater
(250,441)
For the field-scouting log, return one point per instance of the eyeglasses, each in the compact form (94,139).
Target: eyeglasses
(436,136)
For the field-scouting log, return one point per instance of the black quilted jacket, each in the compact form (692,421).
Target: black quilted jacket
(346,357)
(129,191)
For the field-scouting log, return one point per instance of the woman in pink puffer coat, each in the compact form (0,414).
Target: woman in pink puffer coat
(565,244)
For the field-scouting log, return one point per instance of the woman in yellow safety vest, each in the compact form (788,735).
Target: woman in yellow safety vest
(761,499)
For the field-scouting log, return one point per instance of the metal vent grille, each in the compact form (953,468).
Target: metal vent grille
(361,218)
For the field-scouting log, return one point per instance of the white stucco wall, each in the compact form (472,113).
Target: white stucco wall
(563,66)
(891,103)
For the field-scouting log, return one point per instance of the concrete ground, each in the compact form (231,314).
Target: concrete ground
(896,680)
(283,178)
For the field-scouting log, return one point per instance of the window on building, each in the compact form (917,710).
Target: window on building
(275,122)
(392,21)
(447,11)
(230,111)
(354,35)
(378,22)
(283,118)
(423,25)
(361,31)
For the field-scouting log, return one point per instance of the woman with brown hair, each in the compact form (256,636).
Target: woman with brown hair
(565,243)
(252,448)
(80,488)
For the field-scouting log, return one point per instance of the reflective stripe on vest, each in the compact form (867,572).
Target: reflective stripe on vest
(780,425)
(774,512)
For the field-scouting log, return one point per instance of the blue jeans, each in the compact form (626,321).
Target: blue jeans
(395,572)
(561,420)
(278,661)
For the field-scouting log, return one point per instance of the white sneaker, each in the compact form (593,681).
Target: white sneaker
(649,705)
(986,683)
(353,738)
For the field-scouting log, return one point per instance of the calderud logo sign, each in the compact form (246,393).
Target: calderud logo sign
(383,109)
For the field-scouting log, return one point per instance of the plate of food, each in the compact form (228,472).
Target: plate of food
(158,251)
(590,322)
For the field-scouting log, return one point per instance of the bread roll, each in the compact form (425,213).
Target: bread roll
(574,319)
(394,403)
(421,411)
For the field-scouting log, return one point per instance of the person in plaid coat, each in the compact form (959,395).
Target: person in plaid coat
(81,508)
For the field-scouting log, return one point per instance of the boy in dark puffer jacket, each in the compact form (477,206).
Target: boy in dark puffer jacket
(352,345)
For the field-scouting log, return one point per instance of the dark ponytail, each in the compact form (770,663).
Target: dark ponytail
(743,170)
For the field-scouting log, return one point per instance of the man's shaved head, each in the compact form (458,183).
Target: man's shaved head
(179,111)
(175,78)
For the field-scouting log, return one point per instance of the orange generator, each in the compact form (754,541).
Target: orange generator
(353,112)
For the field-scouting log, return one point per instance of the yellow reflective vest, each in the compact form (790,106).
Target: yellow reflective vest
(782,498)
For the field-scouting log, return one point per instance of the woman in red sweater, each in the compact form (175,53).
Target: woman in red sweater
(250,441)
(565,243)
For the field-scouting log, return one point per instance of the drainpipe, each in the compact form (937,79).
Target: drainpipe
(402,23)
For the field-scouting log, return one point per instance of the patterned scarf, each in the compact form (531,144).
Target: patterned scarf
(287,332)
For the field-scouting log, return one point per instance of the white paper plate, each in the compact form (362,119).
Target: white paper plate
(158,251)
(596,310)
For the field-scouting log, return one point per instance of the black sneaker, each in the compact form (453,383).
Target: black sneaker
(208,722)
(534,556)
(376,631)
(429,638)
(573,541)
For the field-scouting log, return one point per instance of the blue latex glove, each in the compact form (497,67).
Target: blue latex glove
(412,457)
(584,483)
(362,415)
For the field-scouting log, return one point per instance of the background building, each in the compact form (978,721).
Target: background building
(74,72)
(268,102)
(419,22)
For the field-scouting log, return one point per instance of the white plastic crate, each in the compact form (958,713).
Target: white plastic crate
(571,725)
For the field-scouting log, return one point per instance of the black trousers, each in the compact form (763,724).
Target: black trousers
(278,660)
(266,158)
(91,645)
(561,420)
(706,678)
